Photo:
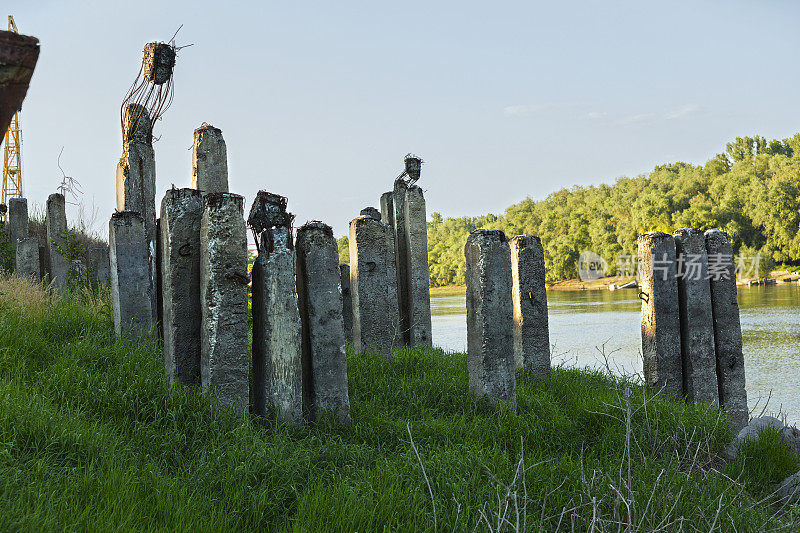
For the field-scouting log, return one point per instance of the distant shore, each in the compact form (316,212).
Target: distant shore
(780,276)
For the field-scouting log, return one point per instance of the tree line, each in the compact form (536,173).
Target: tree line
(751,191)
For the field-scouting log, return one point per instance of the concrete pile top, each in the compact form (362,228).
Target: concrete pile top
(158,62)
(268,211)
(215,200)
(138,124)
(317,225)
(371,212)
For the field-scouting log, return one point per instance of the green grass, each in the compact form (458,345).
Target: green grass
(91,437)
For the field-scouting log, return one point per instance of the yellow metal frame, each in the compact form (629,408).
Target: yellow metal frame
(12,152)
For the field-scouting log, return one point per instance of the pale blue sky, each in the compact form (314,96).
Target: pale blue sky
(321,101)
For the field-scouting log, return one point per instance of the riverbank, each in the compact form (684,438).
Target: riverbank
(776,276)
(91,437)
(565,285)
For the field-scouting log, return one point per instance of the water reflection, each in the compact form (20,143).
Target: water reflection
(584,324)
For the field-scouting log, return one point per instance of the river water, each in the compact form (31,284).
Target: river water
(600,328)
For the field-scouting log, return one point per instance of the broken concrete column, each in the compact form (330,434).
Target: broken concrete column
(347,302)
(157,283)
(131,291)
(209,160)
(17,219)
(136,172)
(181,215)
(277,332)
(224,349)
(661,324)
(387,208)
(697,323)
(373,286)
(320,300)
(529,296)
(727,327)
(99,266)
(413,278)
(27,258)
(490,326)
(136,181)
(56,222)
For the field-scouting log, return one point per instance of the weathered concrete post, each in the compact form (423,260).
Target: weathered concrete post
(320,300)
(661,324)
(99,265)
(136,172)
(529,295)
(209,160)
(27,258)
(697,323)
(727,327)
(373,285)
(490,327)
(181,215)
(17,219)
(387,208)
(411,241)
(347,302)
(224,358)
(56,222)
(131,291)
(136,181)
(277,332)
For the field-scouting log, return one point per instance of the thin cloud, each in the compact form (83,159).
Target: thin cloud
(596,114)
(530,109)
(650,118)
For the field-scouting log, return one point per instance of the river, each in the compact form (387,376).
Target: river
(585,325)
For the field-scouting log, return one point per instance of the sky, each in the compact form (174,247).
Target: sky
(320,101)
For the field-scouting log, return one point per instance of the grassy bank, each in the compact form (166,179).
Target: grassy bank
(92,438)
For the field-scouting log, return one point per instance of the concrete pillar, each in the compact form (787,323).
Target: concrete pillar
(99,266)
(277,332)
(224,350)
(27,258)
(17,219)
(209,160)
(136,182)
(373,286)
(387,208)
(529,296)
(347,302)
(277,347)
(157,280)
(411,245)
(490,327)
(727,328)
(56,222)
(697,324)
(320,300)
(661,324)
(131,292)
(136,172)
(181,215)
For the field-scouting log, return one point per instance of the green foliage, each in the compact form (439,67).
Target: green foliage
(752,192)
(92,437)
(7,252)
(72,248)
(763,462)
(344,250)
